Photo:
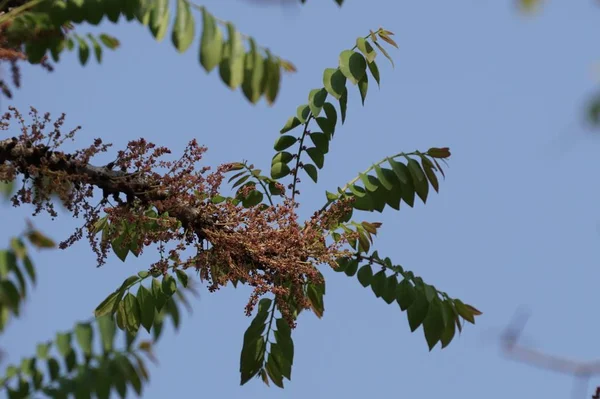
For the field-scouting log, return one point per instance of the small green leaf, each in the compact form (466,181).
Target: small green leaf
(28,365)
(272,78)
(147,306)
(182,277)
(311,171)
(274,371)
(254,198)
(378,283)
(53,369)
(418,310)
(132,313)
(235,61)
(433,325)
(370,182)
(321,141)
(419,179)
(366,48)
(84,50)
(428,168)
(241,180)
(449,322)
(109,304)
(169,285)
(253,73)
(284,142)
(63,343)
(8,262)
(283,156)
(464,311)
(97,47)
(374,71)
(252,357)
(334,82)
(106,325)
(39,240)
(302,112)
(405,294)
(327,125)
(183,29)
(389,294)
(363,86)
(352,65)
(159,19)
(109,41)
(119,248)
(315,294)
(42,350)
(84,335)
(317,156)
(364,275)
(173,311)
(159,297)
(291,123)
(343,104)
(316,99)
(351,267)
(330,113)
(211,42)
(279,170)
(383,178)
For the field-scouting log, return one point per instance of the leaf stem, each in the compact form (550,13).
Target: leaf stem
(15,11)
(310,116)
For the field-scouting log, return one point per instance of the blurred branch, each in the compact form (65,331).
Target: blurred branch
(515,351)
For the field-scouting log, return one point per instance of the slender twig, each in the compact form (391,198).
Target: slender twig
(296,168)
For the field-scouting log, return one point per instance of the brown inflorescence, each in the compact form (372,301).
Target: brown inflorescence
(147,200)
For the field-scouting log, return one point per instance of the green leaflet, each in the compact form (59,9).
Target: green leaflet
(291,123)
(279,170)
(366,48)
(147,306)
(334,82)
(374,71)
(321,141)
(211,42)
(317,156)
(352,65)
(84,335)
(284,142)
(183,29)
(311,171)
(433,325)
(363,86)
(417,311)
(253,73)
(364,275)
(272,78)
(159,19)
(316,100)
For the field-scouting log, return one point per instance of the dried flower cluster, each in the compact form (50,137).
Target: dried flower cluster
(150,201)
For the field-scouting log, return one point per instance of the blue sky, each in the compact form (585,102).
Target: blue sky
(516,222)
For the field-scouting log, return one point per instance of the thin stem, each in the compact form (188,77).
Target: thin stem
(310,116)
(15,11)
(273,308)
